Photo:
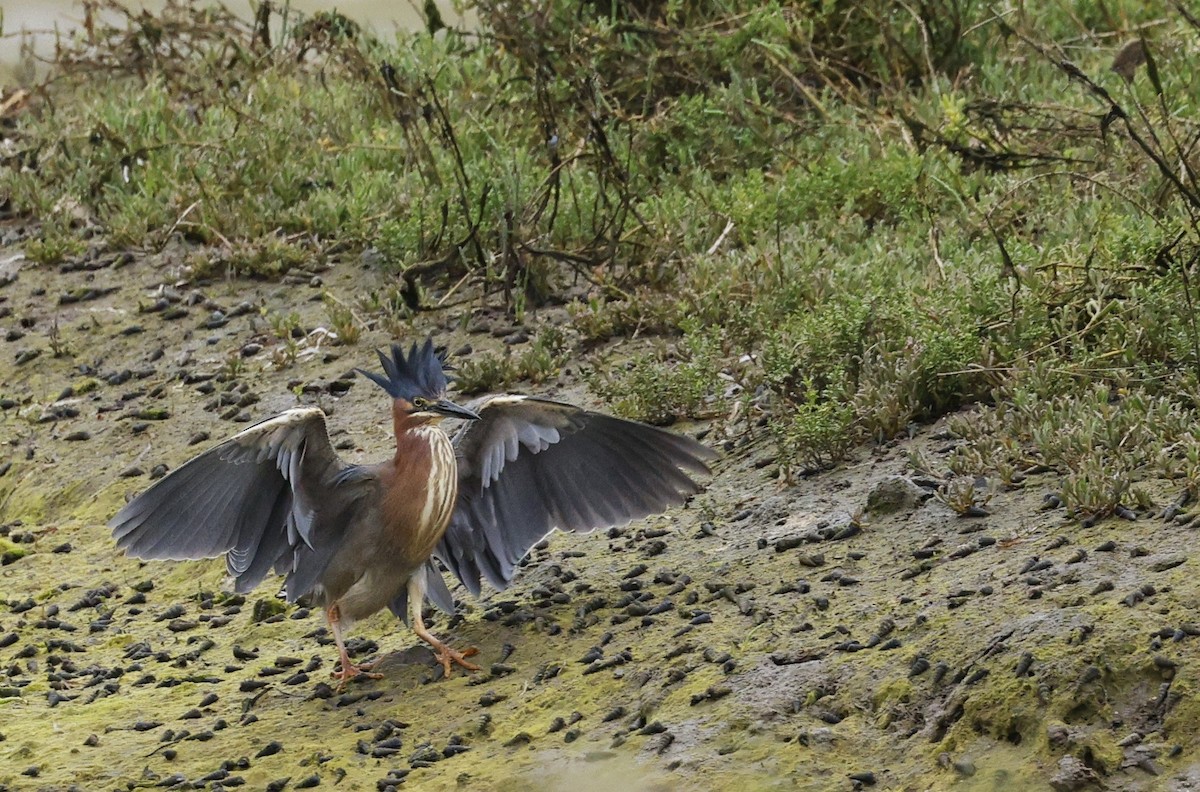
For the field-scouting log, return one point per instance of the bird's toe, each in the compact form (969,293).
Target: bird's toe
(344,674)
(450,657)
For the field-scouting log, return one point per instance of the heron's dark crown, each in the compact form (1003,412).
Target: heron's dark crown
(421,374)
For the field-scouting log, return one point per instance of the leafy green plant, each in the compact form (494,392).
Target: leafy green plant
(836,224)
(537,362)
(345,324)
(964,496)
(818,434)
(664,385)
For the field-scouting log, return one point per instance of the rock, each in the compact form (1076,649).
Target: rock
(1162,564)
(894,494)
(371,258)
(266,608)
(10,266)
(1073,775)
(822,735)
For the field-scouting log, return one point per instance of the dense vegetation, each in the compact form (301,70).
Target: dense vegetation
(841,217)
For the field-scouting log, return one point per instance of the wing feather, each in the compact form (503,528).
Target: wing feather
(531,465)
(248,497)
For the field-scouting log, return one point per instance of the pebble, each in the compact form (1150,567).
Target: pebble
(1163,564)
(1072,775)
(895,494)
(964,766)
(270,749)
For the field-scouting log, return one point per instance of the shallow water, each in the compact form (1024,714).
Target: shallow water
(39,18)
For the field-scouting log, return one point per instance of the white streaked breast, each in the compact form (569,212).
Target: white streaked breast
(442,487)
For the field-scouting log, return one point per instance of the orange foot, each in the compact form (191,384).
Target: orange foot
(348,671)
(445,655)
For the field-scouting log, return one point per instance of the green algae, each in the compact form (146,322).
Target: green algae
(768,733)
(11,551)
(84,385)
(266,608)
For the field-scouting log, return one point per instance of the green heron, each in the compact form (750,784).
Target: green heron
(355,539)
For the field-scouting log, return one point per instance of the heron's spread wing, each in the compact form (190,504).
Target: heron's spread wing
(250,497)
(531,465)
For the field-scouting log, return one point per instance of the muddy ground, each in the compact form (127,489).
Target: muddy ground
(849,631)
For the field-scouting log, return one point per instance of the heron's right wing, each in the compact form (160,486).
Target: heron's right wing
(253,497)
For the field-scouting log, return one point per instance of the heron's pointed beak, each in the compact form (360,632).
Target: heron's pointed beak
(452,410)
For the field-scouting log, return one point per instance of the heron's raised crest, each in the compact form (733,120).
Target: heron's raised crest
(422,373)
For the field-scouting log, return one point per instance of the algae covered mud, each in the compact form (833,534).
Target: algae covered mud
(847,630)
(949,543)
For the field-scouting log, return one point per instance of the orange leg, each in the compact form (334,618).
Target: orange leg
(348,669)
(443,653)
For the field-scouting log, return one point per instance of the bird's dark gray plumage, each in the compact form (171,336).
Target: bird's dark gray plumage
(530,465)
(358,538)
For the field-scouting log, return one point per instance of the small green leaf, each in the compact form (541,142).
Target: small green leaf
(1152,69)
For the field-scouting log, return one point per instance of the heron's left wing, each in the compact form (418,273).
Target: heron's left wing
(530,465)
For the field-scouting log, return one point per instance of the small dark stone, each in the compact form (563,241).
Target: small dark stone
(244,654)
(490,699)
(270,749)
(790,543)
(613,714)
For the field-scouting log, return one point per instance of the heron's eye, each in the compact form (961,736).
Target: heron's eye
(420,403)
